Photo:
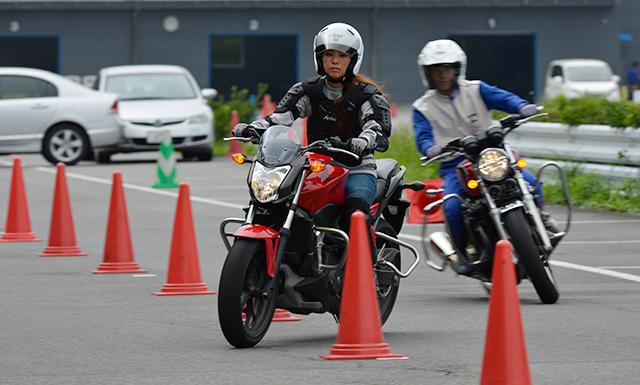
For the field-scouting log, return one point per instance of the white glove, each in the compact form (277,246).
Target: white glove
(434,150)
(528,110)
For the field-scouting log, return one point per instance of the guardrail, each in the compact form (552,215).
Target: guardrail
(599,149)
(584,143)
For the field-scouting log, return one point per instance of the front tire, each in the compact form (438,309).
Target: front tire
(387,282)
(539,272)
(65,143)
(244,312)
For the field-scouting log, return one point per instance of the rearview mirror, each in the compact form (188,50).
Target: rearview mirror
(209,93)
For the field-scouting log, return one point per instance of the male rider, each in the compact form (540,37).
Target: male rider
(454,107)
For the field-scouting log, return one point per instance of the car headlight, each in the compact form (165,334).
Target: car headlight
(198,119)
(265,182)
(493,165)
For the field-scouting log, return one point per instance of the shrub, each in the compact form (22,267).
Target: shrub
(240,101)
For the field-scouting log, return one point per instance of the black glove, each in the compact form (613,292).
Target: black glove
(336,142)
(358,145)
(244,130)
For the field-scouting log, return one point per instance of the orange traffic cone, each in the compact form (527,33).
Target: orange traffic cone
(394,110)
(18,226)
(118,250)
(266,106)
(234,145)
(419,200)
(183,277)
(505,354)
(360,330)
(282,315)
(62,236)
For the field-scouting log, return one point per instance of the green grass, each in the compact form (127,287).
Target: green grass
(402,148)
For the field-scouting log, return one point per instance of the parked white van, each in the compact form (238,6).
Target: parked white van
(579,77)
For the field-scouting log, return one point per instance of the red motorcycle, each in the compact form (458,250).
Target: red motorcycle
(289,251)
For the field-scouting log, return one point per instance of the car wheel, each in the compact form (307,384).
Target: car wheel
(65,143)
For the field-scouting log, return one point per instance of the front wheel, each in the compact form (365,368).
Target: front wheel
(539,272)
(244,310)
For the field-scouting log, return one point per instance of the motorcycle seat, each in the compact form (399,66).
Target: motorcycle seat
(385,168)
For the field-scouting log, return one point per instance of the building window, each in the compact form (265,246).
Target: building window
(227,52)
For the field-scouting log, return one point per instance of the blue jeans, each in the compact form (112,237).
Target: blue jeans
(361,186)
(453,208)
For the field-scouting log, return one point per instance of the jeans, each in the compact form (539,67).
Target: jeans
(453,208)
(361,186)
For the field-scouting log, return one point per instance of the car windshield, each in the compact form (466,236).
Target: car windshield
(279,145)
(150,86)
(589,74)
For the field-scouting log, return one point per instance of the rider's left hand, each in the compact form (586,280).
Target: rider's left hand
(528,110)
(358,145)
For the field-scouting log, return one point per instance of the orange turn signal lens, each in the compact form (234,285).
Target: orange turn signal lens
(521,163)
(239,158)
(472,184)
(317,166)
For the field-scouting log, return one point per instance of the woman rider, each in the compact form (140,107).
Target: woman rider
(341,105)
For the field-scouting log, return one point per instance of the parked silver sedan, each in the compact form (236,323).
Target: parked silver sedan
(41,111)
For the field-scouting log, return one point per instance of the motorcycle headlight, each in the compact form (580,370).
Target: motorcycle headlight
(493,165)
(265,181)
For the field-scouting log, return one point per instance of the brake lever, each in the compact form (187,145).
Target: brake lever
(239,138)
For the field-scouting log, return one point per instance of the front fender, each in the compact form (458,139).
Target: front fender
(271,240)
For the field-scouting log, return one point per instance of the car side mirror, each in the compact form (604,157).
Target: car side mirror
(557,79)
(615,78)
(209,93)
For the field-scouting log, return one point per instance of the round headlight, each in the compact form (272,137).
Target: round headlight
(493,165)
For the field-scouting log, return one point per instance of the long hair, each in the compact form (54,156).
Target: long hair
(339,109)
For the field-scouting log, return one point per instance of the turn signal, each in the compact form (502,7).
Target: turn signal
(472,184)
(521,163)
(317,166)
(239,158)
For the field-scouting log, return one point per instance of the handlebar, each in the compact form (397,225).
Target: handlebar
(326,145)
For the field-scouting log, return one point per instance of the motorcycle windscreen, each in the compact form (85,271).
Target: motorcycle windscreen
(279,145)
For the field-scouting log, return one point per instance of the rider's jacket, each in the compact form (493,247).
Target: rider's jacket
(367,110)
(437,119)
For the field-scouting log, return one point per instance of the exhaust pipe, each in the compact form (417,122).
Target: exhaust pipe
(441,245)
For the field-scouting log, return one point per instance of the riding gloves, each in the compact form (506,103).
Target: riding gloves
(528,110)
(244,130)
(434,150)
(358,145)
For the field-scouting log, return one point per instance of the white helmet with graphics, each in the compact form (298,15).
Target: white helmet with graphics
(341,37)
(443,51)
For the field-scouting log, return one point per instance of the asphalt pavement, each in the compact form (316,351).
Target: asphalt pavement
(60,324)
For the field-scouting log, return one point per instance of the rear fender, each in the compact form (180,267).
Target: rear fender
(271,240)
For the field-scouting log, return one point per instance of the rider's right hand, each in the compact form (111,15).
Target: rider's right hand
(244,130)
(434,151)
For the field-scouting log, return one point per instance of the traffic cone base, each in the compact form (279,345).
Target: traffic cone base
(361,352)
(62,251)
(184,289)
(19,237)
(282,315)
(118,268)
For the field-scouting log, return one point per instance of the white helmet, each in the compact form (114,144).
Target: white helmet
(442,51)
(341,37)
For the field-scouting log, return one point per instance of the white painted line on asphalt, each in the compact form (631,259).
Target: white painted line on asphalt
(142,188)
(618,267)
(143,275)
(600,242)
(589,269)
(628,277)
(596,270)
(590,222)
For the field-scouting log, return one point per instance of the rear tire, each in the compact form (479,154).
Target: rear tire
(65,143)
(387,282)
(539,273)
(244,313)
